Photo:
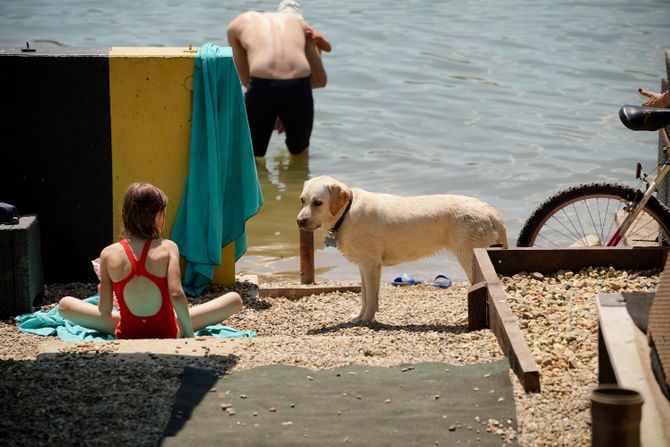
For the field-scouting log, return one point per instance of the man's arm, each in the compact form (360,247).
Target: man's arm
(239,53)
(318,77)
(319,40)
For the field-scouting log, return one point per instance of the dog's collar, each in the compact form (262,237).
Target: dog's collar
(338,224)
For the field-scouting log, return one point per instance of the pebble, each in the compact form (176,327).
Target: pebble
(560,328)
(312,333)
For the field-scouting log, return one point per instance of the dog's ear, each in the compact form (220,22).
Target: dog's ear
(338,197)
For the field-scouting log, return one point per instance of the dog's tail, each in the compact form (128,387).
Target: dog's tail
(499,225)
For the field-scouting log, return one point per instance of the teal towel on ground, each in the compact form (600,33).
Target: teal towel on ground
(222,190)
(52,323)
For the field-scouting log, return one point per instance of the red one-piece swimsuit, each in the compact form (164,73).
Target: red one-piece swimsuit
(162,324)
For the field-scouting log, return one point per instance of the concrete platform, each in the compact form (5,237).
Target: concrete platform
(146,349)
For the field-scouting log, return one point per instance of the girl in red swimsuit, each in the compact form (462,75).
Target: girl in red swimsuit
(142,270)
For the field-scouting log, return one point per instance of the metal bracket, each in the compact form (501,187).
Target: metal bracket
(27,49)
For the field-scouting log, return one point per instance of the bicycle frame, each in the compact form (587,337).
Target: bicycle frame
(663,171)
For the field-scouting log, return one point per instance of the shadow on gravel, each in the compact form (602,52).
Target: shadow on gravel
(101,398)
(450,329)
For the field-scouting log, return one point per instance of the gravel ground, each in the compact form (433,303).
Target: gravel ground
(90,398)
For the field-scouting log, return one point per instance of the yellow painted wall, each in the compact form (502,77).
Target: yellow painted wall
(151,104)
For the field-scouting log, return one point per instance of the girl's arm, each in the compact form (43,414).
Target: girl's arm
(177,295)
(105,303)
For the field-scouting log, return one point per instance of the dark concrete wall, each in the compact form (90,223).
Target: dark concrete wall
(56,153)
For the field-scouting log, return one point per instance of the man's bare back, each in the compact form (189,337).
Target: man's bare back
(273,45)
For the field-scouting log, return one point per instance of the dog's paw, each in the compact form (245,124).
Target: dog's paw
(362,319)
(367,319)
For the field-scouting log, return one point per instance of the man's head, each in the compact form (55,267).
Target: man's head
(290,6)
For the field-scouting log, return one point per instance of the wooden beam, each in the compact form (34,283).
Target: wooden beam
(300,292)
(510,261)
(504,324)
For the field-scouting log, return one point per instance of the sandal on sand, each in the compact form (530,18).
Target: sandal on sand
(405,280)
(442,282)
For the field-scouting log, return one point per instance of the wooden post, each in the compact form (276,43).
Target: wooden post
(306,257)
(477,308)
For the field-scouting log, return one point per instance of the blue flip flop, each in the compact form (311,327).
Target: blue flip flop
(405,280)
(442,282)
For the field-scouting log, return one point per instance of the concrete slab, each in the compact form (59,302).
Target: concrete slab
(145,349)
(280,405)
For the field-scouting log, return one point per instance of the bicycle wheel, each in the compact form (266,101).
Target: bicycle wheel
(589,215)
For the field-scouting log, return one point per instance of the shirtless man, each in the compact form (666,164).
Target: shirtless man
(277,55)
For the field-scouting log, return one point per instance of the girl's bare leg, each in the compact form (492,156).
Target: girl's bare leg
(215,311)
(87,315)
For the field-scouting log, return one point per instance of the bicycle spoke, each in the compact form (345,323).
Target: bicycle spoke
(570,233)
(613,220)
(590,214)
(598,227)
(580,232)
(552,229)
(639,226)
(601,221)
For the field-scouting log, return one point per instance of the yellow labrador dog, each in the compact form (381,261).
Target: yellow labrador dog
(374,230)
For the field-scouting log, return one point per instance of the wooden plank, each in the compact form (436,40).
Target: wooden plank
(510,261)
(301,292)
(504,324)
(477,311)
(626,346)
(605,368)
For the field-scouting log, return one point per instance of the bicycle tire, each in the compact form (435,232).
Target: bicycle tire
(556,222)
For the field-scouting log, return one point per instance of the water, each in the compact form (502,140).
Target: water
(505,100)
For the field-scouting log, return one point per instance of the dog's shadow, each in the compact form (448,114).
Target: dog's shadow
(456,328)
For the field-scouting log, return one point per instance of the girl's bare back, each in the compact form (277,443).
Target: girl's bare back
(142,296)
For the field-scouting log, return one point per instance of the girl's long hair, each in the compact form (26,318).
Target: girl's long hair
(141,203)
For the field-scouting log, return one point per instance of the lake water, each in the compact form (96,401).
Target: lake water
(505,100)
